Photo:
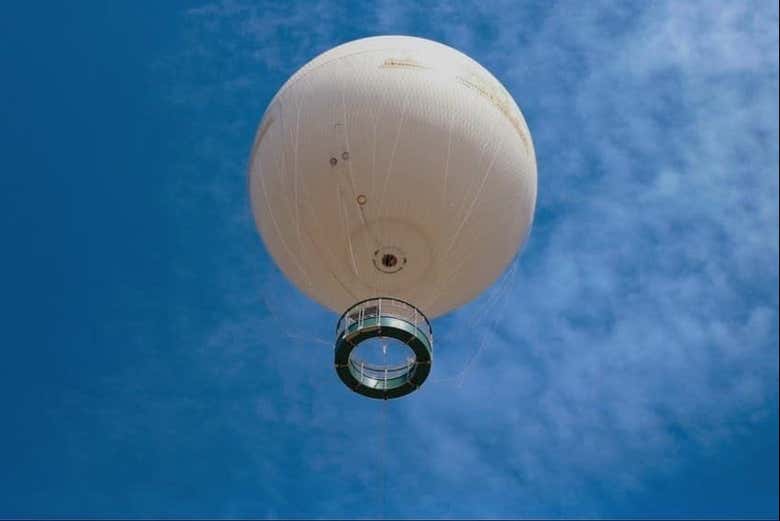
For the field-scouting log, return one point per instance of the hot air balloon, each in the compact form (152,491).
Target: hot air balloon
(392,180)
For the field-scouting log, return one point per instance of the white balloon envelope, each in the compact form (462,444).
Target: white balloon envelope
(392,170)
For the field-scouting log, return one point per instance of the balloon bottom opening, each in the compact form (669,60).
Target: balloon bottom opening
(384,348)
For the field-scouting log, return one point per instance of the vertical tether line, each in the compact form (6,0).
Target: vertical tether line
(383,443)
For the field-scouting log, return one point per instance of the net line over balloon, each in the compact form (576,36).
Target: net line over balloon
(478,327)
(393,180)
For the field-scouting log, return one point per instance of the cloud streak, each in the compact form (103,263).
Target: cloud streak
(643,316)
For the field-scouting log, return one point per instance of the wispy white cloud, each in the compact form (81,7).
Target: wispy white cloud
(645,307)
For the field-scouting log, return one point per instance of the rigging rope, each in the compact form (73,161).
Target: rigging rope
(383,435)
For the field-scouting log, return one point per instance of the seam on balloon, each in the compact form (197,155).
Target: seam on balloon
(392,154)
(276,224)
(296,176)
(282,176)
(262,132)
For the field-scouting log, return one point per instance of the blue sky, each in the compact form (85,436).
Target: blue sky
(157,364)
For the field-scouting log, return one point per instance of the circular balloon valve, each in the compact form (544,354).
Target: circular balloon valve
(362,199)
(389,259)
(388,320)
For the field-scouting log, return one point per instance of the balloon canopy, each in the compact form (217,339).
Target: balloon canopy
(393,167)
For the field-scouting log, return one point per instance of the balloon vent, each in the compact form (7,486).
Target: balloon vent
(384,348)
(389,260)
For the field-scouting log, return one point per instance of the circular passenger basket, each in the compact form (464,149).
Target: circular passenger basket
(391,322)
